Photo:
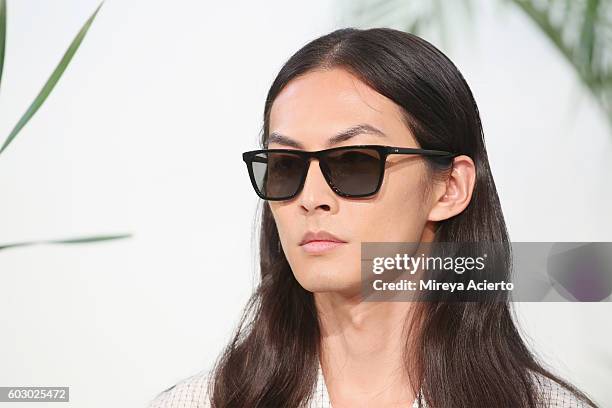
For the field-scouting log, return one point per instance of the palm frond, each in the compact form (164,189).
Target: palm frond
(36,104)
(52,81)
(2,35)
(80,240)
(581,30)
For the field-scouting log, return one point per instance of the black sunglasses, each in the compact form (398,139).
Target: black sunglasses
(351,171)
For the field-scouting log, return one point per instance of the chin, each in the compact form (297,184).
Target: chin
(323,283)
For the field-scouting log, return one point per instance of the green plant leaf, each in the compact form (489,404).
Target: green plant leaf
(52,81)
(2,35)
(81,240)
(584,39)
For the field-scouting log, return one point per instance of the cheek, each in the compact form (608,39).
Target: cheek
(398,214)
(285,220)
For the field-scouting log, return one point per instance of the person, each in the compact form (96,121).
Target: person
(370,135)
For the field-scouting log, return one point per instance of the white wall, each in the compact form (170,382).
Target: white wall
(123,145)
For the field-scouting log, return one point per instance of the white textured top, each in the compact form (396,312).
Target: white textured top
(191,392)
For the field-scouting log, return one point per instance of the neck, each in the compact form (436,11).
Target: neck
(363,347)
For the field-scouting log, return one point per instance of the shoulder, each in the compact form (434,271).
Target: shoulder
(554,395)
(191,392)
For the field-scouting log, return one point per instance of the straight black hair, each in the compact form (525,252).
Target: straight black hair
(468,354)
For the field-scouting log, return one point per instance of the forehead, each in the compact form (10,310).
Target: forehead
(319,104)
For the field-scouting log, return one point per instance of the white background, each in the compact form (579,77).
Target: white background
(143,134)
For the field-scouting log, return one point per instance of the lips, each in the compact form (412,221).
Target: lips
(320,236)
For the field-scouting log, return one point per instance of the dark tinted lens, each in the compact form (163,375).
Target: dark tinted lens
(355,171)
(278,175)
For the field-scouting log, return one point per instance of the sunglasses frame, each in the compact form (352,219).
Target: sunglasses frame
(307,156)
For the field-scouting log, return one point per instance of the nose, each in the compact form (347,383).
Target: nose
(316,193)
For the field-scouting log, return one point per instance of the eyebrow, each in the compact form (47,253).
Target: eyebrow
(346,134)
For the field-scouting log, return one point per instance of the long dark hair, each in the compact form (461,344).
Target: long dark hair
(468,354)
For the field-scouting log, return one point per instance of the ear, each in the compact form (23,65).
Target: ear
(452,196)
